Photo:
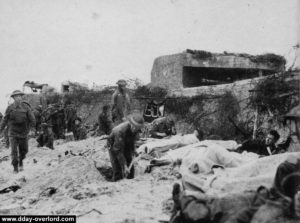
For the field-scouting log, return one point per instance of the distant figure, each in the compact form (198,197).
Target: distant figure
(19,118)
(5,133)
(55,116)
(34,86)
(58,122)
(162,127)
(263,148)
(122,146)
(120,103)
(38,118)
(46,137)
(79,130)
(70,116)
(105,121)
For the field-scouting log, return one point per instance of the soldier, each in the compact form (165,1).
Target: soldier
(54,115)
(70,116)
(162,127)
(37,114)
(266,147)
(104,121)
(18,118)
(59,122)
(79,130)
(5,135)
(120,103)
(46,136)
(122,146)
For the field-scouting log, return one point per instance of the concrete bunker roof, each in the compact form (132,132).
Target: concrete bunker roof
(201,58)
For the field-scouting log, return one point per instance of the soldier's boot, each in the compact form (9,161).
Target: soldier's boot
(272,210)
(16,170)
(21,167)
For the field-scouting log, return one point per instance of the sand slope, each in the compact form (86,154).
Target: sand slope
(78,187)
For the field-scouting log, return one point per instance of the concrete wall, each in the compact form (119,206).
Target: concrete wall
(167,71)
(90,112)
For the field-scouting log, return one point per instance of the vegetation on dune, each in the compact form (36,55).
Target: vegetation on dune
(145,91)
(274,95)
(271,59)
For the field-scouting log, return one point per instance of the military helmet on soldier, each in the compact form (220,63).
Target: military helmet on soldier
(121,82)
(16,92)
(137,120)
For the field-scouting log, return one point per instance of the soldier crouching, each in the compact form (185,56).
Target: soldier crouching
(122,146)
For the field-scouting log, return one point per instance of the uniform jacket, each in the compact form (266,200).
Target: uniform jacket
(122,139)
(259,147)
(18,119)
(105,123)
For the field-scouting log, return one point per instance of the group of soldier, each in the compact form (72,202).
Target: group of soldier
(49,124)
(121,128)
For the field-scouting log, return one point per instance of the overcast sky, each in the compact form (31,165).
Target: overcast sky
(50,41)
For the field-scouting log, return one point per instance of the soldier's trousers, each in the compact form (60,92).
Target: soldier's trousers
(45,140)
(19,149)
(117,163)
(6,137)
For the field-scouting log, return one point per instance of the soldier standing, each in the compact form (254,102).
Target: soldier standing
(18,118)
(79,131)
(56,118)
(70,116)
(120,103)
(37,114)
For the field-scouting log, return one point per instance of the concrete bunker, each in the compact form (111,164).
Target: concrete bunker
(196,68)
